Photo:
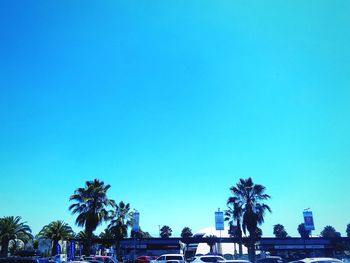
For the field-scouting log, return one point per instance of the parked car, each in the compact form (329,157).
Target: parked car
(106,259)
(271,259)
(24,260)
(144,259)
(318,260)
(237,261)
(208,258)
(170,258)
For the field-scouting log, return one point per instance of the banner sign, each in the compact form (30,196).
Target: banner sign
(219,220)
(58,249)
(136,226)
(72,250)
(308,220)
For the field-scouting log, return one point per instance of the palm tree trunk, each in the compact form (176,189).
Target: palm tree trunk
(4,247)
(87,243)
(119,257)
(251,247)
(240,248)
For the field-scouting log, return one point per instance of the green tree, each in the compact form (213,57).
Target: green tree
(106,237)
(250,197)
(122,219)
(279,231)
(35,244)
(165,232)
(234,215)
(186,232)
(348,230)
(139,234)
(11,228)
(303,232)
(329,232)
(91,204)
(56,231)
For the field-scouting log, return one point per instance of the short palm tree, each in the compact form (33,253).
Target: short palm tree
(186,232)
(56,231)
(250,197)
(303,232)
(11,228)
(165,232)
(122,219)
(91,204)
(211,242)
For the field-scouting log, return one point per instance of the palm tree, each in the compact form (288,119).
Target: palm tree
(165,232)
(140,234)
(329,232)
(56,231)
(235,213)
(279,231)
(91,206)
(303,232)
(211,242)
(249,197)
(122,219)
(11,228)
(348,230)
(107,237)
(186,232)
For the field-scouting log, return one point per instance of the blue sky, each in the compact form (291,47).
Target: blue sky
(171,102)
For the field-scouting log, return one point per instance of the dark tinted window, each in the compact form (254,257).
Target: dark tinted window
(211,259)
(173,258)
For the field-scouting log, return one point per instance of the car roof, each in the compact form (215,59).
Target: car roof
(319,259)
(172,255)
(207,256)
(237,260)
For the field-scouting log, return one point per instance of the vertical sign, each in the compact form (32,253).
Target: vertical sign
(219,220)
(136,226)
(308,220)
(72,250)
(58,249)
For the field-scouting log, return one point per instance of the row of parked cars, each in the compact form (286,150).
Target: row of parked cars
(178,258)
(170,258)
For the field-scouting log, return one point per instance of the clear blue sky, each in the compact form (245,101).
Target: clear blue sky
(171,102)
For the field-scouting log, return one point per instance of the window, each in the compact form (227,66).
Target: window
(174,258)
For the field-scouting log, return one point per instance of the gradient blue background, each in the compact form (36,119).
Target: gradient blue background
(171,102)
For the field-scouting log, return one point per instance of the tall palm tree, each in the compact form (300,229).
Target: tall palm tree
(56,231)
(235,213)
(11,228)
(122,219)
(91,206)
(250,197)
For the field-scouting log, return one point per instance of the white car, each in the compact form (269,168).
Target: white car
(237,261)
(208,258)
(318,260)
(170,258)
